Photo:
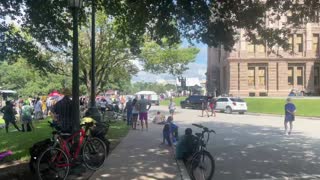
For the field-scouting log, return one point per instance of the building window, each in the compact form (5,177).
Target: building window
(299,75)
(315,44)
(262,76)
(290,75)
(316,76)
(251,79)
(299,43)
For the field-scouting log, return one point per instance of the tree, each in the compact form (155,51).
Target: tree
(26,80)
(167,58)
(112,56)
(213,22)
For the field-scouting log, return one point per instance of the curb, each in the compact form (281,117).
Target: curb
(183,170)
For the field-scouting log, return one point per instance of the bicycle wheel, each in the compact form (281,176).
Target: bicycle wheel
(53,163)
(94,153)
(202,166)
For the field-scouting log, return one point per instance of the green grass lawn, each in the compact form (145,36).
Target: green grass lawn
(305,107)
(176,100)
(20,142)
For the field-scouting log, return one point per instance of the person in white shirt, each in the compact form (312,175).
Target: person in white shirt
(172,107)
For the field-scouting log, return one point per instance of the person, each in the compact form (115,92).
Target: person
(204,106)
(122,102)
(26,117)
(159,118)
(172,107)
(62,111)
(135,113)
(290,110)
(103,106)
(144,106)
(186,145)
(128,108)
(212,106)
(38,109)
(9,115)
(170,132)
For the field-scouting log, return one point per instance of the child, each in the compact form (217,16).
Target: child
(159,118)
(170,132)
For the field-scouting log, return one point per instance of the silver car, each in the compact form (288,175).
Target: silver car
(231,104)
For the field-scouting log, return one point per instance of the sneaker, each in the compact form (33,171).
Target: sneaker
(289,132)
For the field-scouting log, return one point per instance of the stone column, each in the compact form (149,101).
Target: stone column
(272,79)
(233,87)
(243,79)
(309,77)
(309,36)
(283,79)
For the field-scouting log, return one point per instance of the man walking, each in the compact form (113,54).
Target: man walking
(290,110)
(143,110)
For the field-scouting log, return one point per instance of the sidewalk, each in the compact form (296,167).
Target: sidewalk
(140,156)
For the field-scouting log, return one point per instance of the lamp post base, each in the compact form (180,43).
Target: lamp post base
(94,113)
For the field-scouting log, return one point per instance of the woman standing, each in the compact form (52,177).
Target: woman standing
(38,109)
(9,115)
(135,113)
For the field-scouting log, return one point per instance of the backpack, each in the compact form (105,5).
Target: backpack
(36,150)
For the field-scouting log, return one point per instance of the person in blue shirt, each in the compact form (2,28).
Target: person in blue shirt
(290,110)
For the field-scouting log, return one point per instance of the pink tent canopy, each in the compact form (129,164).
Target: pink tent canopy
(54,93)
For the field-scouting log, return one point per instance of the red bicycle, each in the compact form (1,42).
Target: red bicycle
(69,150)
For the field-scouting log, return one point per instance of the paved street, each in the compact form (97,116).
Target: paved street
(255,147)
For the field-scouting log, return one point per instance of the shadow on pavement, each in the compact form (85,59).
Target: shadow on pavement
(257,152)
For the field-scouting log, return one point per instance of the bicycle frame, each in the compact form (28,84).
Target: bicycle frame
(64,145)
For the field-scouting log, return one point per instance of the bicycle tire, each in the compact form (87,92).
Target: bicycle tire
(90,147)
(197,164)
(48,153)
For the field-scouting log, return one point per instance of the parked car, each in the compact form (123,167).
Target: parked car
(194,102)
(231,104)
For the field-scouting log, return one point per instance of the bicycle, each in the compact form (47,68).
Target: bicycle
(199,167)
(55,162)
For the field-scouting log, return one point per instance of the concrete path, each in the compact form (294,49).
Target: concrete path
(255,147)
(140,156)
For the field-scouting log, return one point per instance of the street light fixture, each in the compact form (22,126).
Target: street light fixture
(75,5)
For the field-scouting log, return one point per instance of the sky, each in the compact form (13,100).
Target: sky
(196,69)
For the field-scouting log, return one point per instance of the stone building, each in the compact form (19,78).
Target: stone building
(255,70)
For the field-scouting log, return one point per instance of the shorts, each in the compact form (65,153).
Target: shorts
(143,116)
(171,111)
(134,117)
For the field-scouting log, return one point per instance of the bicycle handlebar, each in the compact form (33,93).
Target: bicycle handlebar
(205,129)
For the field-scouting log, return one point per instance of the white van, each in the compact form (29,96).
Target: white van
(151,96)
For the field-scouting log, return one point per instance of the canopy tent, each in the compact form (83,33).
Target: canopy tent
(54,93)
(8,91)
(146,93)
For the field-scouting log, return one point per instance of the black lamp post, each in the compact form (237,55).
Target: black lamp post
(93,110)
(75,5)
